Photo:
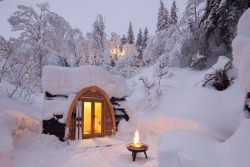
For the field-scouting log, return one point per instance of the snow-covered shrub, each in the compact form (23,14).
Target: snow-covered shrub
(153,89)
(161,71)
(150,99)
(161,66)
(218,76)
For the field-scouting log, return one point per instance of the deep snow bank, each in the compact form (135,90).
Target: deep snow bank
(12,119)
(191,149)
(241,50)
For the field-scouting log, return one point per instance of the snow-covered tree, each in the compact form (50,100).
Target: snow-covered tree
(123,42)
(130,36)
(115,44)
(7,53)
(194,36)
(220,20)
(163,18)
(46,38)
(99,43)
(62,42)
(127,64)
(124,39)
(155,48)
(33,29)
(173,14)
(138,44)
(145,38)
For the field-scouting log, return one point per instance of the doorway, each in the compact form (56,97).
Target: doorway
(92,118)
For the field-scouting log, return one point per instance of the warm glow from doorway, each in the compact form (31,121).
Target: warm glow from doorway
(87,118)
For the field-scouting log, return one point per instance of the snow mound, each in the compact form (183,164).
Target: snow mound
(181,148)
(241,50)
(9,123)
(235,151)
(188,148)
(65,81)
(6,144)
(12,120)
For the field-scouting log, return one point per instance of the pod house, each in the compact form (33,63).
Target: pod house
(81,103)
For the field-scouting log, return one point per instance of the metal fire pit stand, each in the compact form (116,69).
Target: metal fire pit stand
(135,150)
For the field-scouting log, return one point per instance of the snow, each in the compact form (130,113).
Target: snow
(186,148)
(192,126)
(13,120)
(241,50)
(204,117)
(57,107)
(69,81)
(65,81)
(189,148)
(221,63)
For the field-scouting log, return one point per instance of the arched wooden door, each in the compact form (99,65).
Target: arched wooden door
(93,117)
(99,119)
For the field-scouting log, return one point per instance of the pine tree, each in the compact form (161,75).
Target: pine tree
(130,38)
(173,15)
(160,19)
(220,21)
(163,17)
(145,39)
(124,39)
(138,44)
(99,42)
(123,42)
(139,39)
(166,18)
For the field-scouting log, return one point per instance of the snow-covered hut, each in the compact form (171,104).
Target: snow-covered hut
(81,102)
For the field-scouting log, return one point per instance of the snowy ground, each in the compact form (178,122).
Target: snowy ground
(182,106)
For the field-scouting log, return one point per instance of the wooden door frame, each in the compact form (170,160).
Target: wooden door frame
(93,134)
(92,89)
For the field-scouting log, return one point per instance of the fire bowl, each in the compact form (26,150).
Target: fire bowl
(131,147)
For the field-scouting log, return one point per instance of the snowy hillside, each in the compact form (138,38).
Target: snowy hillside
(182,106)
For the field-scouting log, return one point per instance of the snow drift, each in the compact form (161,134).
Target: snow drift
(241,50)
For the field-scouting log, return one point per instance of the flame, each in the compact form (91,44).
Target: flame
(136,139)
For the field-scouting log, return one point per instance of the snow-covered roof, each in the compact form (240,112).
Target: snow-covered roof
(69,81)
(64,81)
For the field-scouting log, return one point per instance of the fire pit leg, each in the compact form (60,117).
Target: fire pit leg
(145,154)
(134,155)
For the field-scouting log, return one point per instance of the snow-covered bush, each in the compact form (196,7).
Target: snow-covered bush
(150,99)
(161,65)
(219,75)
